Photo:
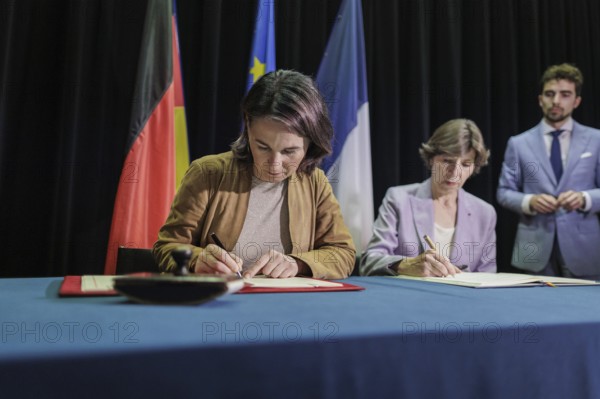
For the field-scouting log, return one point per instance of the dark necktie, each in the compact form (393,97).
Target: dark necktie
(555,157)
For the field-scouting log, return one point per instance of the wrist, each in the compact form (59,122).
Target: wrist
(582,207)
(398,267)
(194,264)
(303,269)
(531,203)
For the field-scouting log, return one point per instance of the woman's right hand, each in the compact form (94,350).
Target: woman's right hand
(428,264)
(215,260)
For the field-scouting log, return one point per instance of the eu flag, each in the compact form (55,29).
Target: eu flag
(342,79)
(262,58)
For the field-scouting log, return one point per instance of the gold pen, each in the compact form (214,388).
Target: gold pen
(429,241)
(220,245)
(431,244)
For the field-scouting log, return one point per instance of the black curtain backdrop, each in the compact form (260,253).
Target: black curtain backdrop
(66,81)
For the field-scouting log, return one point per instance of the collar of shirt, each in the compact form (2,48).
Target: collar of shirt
(566,127)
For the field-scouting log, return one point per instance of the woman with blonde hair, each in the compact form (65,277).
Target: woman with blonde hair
(461,226)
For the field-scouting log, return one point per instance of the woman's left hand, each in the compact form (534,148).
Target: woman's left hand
(274,264)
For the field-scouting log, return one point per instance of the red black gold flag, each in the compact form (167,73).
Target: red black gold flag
(182,155)
(147,183)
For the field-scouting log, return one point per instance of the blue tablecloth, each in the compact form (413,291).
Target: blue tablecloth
(397,338)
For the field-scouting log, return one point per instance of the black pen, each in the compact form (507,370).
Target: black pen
(220,245)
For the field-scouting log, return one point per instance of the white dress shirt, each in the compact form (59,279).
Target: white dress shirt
(565,141)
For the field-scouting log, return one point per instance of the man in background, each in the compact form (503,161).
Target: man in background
(551,178)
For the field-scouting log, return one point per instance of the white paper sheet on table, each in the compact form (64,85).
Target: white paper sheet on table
(292,282)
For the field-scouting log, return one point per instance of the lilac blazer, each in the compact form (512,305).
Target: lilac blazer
(406,215)
(526,170)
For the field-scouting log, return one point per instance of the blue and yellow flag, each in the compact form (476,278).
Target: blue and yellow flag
(262,58)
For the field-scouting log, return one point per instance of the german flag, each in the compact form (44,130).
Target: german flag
(182,152)
(147,184)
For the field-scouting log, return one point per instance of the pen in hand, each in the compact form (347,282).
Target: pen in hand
(431,244)
(220,245)
(429,241)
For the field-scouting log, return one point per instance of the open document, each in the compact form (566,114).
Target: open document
(101,285)
(495,280)
(105,283)
(292,282)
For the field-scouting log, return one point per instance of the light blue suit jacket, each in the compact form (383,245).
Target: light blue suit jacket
(406,215)
(527,170)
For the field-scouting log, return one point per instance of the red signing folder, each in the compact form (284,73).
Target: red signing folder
(72,286)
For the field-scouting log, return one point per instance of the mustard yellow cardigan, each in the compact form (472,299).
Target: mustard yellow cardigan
(214,196)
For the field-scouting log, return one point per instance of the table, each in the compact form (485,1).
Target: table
(397,338)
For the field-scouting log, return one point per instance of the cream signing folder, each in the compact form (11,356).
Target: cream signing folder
(496,280)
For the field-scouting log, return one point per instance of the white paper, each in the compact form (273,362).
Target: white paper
(292,282)
(97,283)
(490,280)
(106,283)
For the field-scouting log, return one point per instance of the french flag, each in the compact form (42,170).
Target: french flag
(342,79)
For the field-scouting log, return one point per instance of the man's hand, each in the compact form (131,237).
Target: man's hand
(543,203)
(571,200)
